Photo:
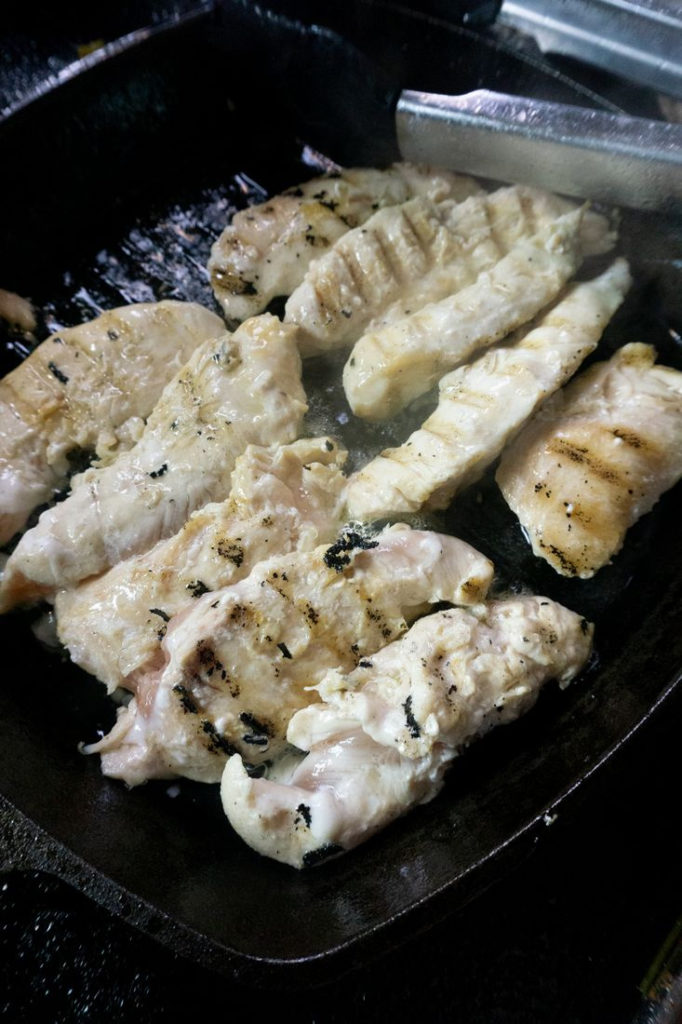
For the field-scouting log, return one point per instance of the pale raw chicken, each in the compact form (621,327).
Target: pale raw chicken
(386,732)
(237,389)
(595,458)
(283,498)
(393,365)
(483,404)
(244,659)
(406,256)
(88,389)
(267,248)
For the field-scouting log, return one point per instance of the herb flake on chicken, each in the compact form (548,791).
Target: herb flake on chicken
(382,739)
(236,389)
(266,249)
(86,391)
(241,661)
(283,498)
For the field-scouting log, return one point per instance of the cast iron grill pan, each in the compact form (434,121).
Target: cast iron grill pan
(146,156)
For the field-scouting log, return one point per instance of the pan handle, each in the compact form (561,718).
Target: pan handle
(612,158)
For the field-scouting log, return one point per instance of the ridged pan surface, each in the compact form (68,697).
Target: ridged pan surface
(116,184)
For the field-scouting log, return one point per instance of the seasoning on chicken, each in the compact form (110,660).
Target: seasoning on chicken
(267,248)
(237,389)
(419,252)
(242,660)
(382,740)
(483,404)
(595,459)
(283,498)
(88,389)
(391,366)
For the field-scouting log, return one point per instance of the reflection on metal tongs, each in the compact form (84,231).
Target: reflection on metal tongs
(639,41)
(612,158)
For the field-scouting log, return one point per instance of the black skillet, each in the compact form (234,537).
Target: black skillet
(147,154)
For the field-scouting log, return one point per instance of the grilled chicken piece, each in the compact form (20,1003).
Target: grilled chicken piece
(283,498)
(595,458)
(243,660)
(17,312)
(386,732)
(88,389)
(483,404)
(237,389)
(267,248)
(391,366)
(418,252)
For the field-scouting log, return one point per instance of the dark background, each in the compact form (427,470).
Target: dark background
(568,936)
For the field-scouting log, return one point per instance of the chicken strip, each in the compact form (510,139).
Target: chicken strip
(418,252)
(595,458)
(283,498)
(483,404)
(244,659)
(386,732)
(391,366)
(237,389)
(267,248)
(88,389)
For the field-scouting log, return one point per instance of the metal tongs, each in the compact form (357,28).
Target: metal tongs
(628,161)
(612,158)
(640,41)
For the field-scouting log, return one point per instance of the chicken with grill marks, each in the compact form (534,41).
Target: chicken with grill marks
(595,458)
(241,661)
(382,739)
(393,365)
(267,248)
(419,252)
(283,498)
(483,404)
(86,391)
(236,389)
